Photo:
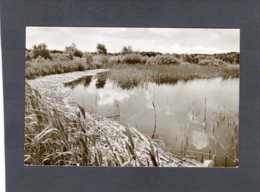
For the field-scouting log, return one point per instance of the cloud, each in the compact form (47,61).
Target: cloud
(176,48)
(165,40)
(214,36)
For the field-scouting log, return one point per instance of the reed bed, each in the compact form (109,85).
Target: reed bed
(220,130)
(129,76)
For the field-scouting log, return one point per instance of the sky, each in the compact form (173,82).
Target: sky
(164,40)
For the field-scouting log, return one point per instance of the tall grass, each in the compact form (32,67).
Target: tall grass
(42,67)
(53,139)
(128,76)
(221,130)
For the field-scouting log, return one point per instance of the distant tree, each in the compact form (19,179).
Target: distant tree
(41,50)
(191,59)
(72,51)
(126,50)
(78,53)
(56,51)
(101,49)
(150,53)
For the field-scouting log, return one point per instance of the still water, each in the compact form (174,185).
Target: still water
(197,118)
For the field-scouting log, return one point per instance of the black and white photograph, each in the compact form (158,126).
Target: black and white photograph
(132,97)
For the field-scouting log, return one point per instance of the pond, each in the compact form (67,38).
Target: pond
(196,118)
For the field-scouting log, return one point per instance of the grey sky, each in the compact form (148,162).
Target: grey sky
(165,40)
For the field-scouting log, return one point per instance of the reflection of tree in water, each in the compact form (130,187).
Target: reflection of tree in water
(87,81)
(84,81)
(101,80)
(128,85)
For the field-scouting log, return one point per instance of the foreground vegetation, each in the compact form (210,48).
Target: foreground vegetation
(58,132)
(53,139)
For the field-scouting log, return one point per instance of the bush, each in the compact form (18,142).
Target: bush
(78,53)
(100,60)
(115,60)
(231,58)
(133,59)
(59,57)
(101,49)
(126,50)
(89,59)
(211,61)
(163,60)
(41,51)
(150,53)
(72,51)
(191,59)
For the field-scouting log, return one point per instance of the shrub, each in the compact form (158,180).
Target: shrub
(150,53)
(163,60)
(211,61)
(41,50)
(231,58)
(60,57)
(191,59)
(115,59)
(72,51)
(100,60)
(126,50)
(101,49)
(132,59)
(89,59)
(78,53)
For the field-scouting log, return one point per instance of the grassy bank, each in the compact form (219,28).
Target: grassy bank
(43,67)
(128,76)
(57,132)
(52,139)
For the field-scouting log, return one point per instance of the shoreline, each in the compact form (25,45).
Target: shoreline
(55,96)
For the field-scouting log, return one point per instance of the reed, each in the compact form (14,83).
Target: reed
(220,127)
(155,121)
(129,76)
(53,139)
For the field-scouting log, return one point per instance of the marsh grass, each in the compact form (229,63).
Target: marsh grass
(129,76)
(53,139)
(221,129)
(42,67)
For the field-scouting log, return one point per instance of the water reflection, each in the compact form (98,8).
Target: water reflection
(85,81)
(197,116)
(101,80)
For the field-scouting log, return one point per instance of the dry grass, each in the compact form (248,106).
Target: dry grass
(42,67)
(53,139)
